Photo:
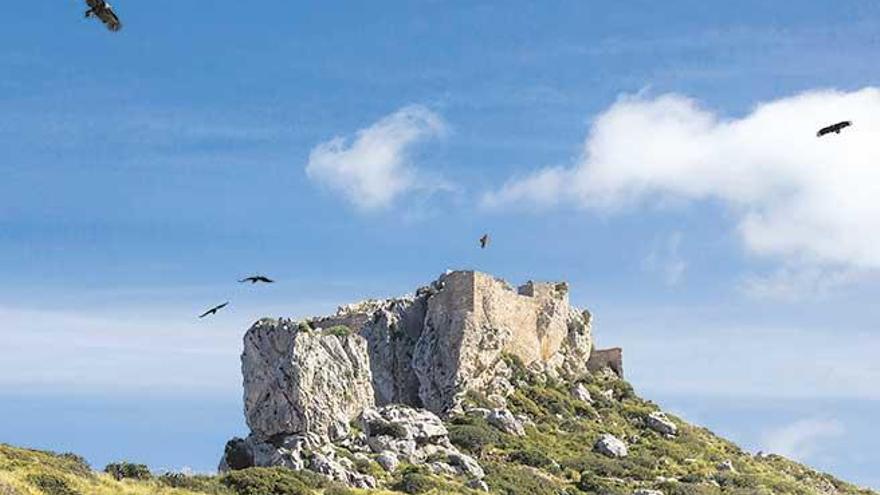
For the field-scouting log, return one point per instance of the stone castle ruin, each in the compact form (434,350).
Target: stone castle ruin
(305,383)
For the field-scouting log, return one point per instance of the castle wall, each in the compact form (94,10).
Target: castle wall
(606,358)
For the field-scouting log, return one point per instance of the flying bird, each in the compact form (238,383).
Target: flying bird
(102,10)
(257,278)
(835,128)
(213,311)
(484,241)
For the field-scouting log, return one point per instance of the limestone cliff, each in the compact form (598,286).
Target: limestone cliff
(305,383)
(427,350)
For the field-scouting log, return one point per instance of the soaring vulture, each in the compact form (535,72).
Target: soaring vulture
(484,241)
(102,10)
(213,311)
(835,128)
(257,278)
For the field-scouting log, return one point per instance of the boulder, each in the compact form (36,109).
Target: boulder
(505,421)
(388,460)
(580,392)
(610,446)
(658,422)
(403,423)
(289,452)
(333,469)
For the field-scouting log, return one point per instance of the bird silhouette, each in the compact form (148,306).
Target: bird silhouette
(102,10)
(484,241)
(835,128)
(213,311)
(257,278)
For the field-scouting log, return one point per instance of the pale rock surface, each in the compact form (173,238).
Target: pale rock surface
(581,393)
(473,319)
(658,422)
(416,435)
(611,446)
(335,470)
(505,421)
(299,381)
(397,364)
(388,460)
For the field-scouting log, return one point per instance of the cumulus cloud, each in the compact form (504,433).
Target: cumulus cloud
(794,195)
(802,439)
(374,168)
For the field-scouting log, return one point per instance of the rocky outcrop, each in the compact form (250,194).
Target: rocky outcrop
(396,366)
(417,436)
(299,380)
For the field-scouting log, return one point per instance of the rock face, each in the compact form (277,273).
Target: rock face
(299,381)
(473,320)
(417,436)
(395,365)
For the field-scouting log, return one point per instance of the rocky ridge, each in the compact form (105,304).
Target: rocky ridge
(473,385)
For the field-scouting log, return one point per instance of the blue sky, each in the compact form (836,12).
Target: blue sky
(352,150)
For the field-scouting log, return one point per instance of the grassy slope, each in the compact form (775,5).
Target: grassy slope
(555,457)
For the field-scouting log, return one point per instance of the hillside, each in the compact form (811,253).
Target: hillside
(468,386)
(554,456)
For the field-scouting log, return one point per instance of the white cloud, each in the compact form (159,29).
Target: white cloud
(795,195)
(374,168)
(665,259)
(802,440)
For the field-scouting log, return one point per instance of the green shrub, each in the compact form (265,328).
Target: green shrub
(531,457)
(265,481)
(51,484)
(689,489)
(339,490)
(476,437)
(203,484)
(478,399)
(128,470)
(513,479)
(338,330)
(76,464)
(415,483)
(593,484)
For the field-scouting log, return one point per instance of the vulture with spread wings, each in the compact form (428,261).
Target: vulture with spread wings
(102,10)
(213,311)
(835,128)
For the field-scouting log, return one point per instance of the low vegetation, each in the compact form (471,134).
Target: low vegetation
(554,457)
